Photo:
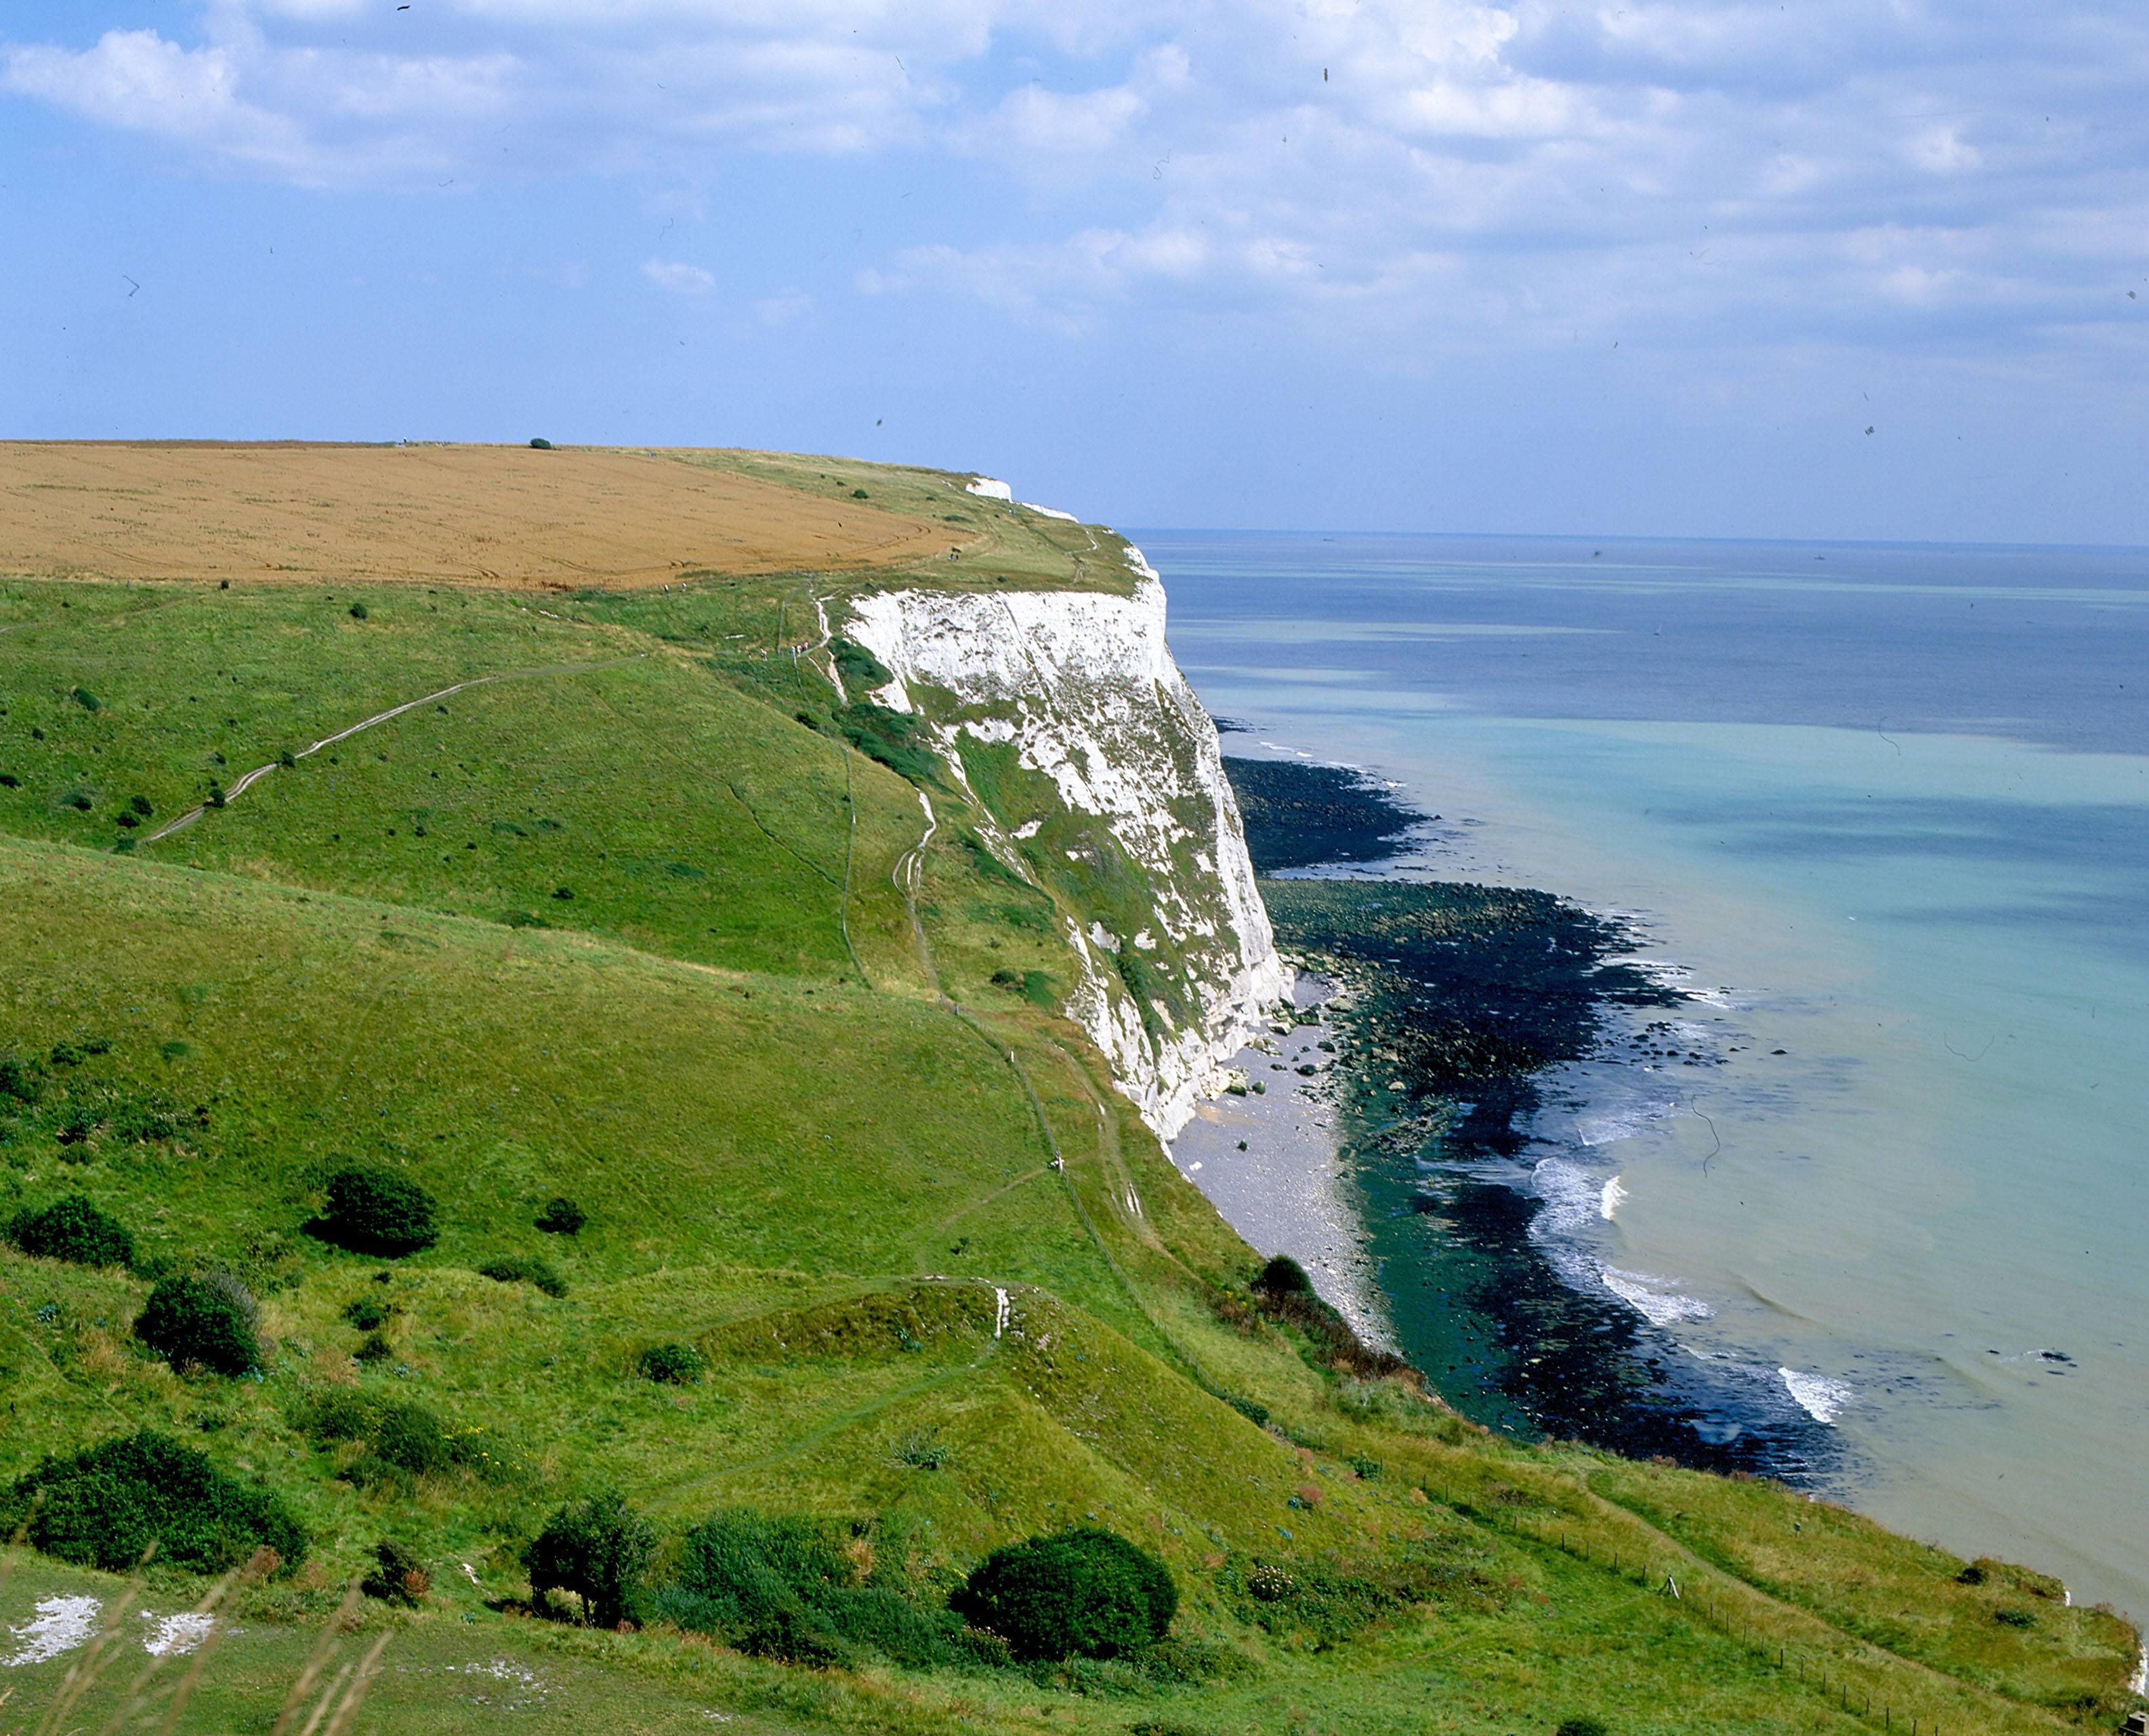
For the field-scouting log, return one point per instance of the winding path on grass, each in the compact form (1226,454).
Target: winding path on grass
(241,785)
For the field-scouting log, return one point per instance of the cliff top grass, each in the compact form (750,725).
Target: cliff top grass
(555,519)
(618,912)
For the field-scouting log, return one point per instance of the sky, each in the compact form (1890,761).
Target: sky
(1845,269)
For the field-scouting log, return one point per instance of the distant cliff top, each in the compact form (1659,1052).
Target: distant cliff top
(561,519)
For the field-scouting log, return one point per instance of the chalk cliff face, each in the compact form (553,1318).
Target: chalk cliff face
(1174,955)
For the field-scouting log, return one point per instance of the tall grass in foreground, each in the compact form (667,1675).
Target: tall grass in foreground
(146,1704)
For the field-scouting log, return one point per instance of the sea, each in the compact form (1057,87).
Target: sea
(1882,813)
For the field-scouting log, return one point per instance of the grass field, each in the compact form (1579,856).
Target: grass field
(624,920)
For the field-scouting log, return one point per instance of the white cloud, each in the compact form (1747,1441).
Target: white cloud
(1538,169)
(679,277)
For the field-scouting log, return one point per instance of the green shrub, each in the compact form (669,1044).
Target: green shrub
(374,1349)
(84,698)
(1581,1727)
(369,1314)
(1082,1593)
(104,1506)
(1283,1276)
(21,1079)
(781,1588)
(72,1229)
(599,1548)
(678,1365)
(924,1450)
(526,1269)
(561,1216)
(373,1211)
(895,738)
(201,1320)
(541,445)
(357,611)
(2014,1618)
(1253,1409)
(859,666)
(399,1575)
(402,1440)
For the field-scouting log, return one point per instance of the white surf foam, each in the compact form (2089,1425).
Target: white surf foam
(1571,1194)
(59,1626)
(1653,1298)
(1820,1396)
(1611,1200)
(1607,1126)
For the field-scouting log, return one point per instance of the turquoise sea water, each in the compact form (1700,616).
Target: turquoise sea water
(1889,809)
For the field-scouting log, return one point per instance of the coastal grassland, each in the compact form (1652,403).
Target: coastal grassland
(820,1119)
(822,1382)
(995,543)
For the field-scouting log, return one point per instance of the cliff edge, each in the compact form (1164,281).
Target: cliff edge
(1146,856)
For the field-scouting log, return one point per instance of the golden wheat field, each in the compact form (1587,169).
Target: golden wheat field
(510,516)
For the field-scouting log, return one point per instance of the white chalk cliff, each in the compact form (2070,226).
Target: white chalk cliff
(1083,685)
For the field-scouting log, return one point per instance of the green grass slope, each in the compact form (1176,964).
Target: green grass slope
(630,920)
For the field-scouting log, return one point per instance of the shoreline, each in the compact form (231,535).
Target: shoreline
(1416,1182)
(1271,1163)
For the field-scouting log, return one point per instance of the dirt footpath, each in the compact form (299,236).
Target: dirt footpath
(510,516)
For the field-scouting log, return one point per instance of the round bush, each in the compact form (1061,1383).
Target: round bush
(1083,1592)
(1283,1276)
(199,1320)
(74,1230)
(1584,1726)
(102,1507)
(678,1365)
(373,1211)
(598,1548)
(561,1216)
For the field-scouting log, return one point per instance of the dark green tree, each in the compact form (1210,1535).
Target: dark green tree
(599,1548)
(374,1210)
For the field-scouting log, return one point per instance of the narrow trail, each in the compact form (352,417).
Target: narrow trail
(909,876)
(850,785)
(241,785)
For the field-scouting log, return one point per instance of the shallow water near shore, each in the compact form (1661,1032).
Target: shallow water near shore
(1886,811)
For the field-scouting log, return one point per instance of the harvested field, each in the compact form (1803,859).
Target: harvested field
(508,516)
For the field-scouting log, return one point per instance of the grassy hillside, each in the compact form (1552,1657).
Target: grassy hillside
(631,920)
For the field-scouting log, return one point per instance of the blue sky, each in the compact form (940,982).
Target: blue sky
(1428,264)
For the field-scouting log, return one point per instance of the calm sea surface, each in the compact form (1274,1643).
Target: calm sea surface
(1888,808)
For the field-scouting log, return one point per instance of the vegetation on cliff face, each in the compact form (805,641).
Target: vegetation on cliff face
(611,924)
